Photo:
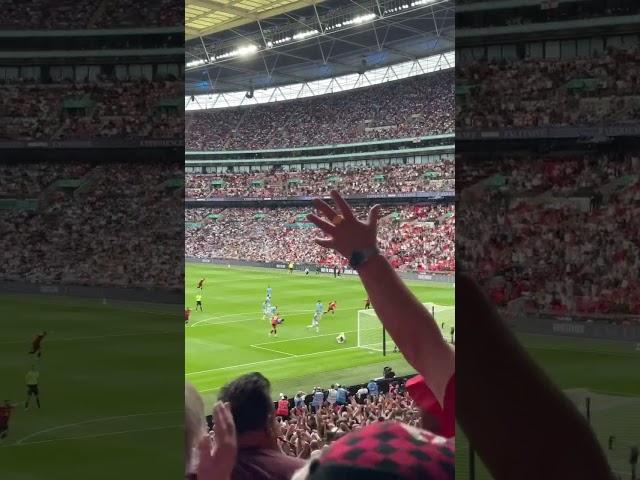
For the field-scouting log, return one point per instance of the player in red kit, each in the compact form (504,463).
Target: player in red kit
(367,304)
(200,284)
(332,308)
(187,314)
(5,414)
(36,345)
(275,321)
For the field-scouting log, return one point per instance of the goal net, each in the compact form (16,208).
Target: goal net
(371,334)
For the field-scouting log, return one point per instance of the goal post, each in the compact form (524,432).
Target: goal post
(372,335)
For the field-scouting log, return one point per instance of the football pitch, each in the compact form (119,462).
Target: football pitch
(230,337)
(110,389)
(604,371)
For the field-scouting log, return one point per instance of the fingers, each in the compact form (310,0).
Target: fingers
(322,224)
(324,207)
(226,418)
(374,216)
(204,447)
(344,207)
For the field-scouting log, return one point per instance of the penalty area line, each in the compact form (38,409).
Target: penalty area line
(272,350)
(268,361)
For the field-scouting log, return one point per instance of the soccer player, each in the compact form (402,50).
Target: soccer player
(315,322)
(32,378)
(290,268)
(199,302)
(187,314)
(200,284)
(269,293)
(275,321)
(5,414)
(332,308)
(36,345)
(266,308)
(367,304)
(306,271)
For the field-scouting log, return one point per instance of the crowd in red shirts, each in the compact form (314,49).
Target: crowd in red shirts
(559,231)
(418,238)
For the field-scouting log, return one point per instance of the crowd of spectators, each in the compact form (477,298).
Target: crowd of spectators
(558,232)
(416,238)
(315,420)
(67,14)
(540,92)
(115,225)
(438,176)
(533,13)
(106,108)
(412,107)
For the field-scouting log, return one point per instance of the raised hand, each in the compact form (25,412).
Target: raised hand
(345,233)
(218,456)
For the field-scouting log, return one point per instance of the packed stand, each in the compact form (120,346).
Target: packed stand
(349,180)
(533,13)
(417,238)
(68,15)
(83,232)
(106,108)
(305,441)
(542,92)
(413,107)
(558,232)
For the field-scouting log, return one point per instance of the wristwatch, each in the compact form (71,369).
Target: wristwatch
(359,257)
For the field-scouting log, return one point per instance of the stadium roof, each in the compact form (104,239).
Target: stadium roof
(204,17)
(288,42)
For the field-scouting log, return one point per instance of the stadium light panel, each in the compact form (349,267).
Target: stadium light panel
(196,63)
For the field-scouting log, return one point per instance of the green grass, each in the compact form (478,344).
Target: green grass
(110,387)
(607,372)
(230,337)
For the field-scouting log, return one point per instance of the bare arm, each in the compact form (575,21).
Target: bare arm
(405,318)
(508,408)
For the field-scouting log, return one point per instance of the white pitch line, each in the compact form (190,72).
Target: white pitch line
(304,338)
(253,319)
(267,361)
(96,435)
(95,420)
(272,350)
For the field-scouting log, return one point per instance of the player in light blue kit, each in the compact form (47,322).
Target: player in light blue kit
(269,292)
(315,322)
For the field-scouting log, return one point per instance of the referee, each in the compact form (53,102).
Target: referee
(32,378)
(198,302)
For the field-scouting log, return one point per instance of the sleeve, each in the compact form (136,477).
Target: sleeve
(444,414)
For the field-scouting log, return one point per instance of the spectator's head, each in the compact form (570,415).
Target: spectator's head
(193,420)
(252,409)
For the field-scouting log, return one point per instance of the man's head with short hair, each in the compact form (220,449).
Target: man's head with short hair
(251,405)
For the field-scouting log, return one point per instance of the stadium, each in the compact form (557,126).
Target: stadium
(547,175)
(91,133)
(286,104)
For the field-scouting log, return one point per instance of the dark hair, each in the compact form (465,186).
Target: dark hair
(250,398)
